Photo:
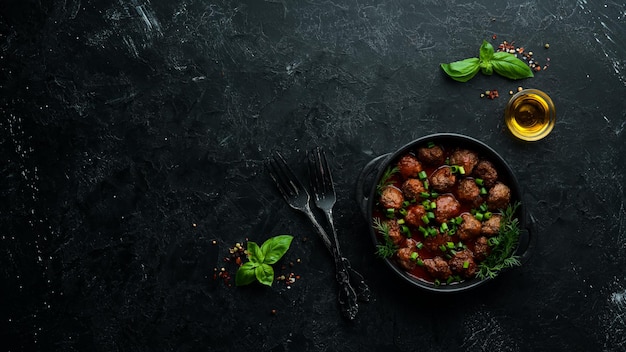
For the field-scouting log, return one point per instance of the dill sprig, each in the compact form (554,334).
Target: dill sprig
(388,248)
(385,179)
(502,246)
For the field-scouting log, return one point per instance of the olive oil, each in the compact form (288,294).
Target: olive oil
(530,115)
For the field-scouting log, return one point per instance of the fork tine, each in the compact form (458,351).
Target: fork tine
(284,177)
(325,168)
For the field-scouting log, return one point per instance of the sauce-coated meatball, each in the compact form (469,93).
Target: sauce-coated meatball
(468,192)
(431,155)
(409,166)
(447,207)
(469,228)
(481,248)
(394,231)
(466,158)
(414,215)
(442,179)
(391,197)
(491,226)
(463,263)
(434,243)
(438,268)
(404,255)
(499,196)
(487,172)
(412,188)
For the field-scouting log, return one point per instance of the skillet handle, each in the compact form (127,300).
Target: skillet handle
(528,238)
(366,181)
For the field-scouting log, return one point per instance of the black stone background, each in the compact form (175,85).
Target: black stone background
(134,134)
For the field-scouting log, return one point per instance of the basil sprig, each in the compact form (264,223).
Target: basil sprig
(259,267)
(502,63)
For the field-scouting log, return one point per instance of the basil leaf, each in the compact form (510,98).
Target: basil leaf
(274,248)
(486,51)
(463,70)
(265,274)
(509,66)
(486,68)
(246,274)
(254,253)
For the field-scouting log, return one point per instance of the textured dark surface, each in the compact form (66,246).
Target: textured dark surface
(133,135)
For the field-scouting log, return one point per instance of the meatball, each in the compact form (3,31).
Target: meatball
(394,231)
(491,226)
(409,166)
(499,196)
(414,215)
(469,228)
(468,192)
(431,155)
(463,263)
(442,179)
(434,243)
(404,255)
(487,172)
(447,207)
(412,188)
(466,158)
(481,248)
(391,197)
(438,268)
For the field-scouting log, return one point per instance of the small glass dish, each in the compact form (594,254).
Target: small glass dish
(530,115)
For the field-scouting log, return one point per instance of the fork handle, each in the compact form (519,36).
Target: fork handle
(347,297)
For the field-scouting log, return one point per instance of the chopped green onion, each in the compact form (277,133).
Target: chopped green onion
(433,205)
(483,191)
(479,216)
(405,228)
(450,245)
(443,248)
(406,203)
(488,215)
(420,262)
(390,210)
(444,227)
(460,245)
(414,255)
(422,175)
(454,169)
(437,282)
(400,221)
(479,181)
(423,230)
(430,215)
(450,280)
(484,207)
(459,220)
(452,232)
(434,194)
(419,245)
(431,144)
(425,219)
(466,264)
(432,231)
(426,184)
(403,212)
(424,194)
(426,204)
(461,170)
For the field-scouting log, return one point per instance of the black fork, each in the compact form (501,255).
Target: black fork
(325,198)
(298,198)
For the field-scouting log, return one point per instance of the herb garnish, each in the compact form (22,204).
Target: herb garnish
(503,63)
(385,179)
(259,266)
(387,249)
(502,246)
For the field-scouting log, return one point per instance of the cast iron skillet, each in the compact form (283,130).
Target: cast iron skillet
(373,171)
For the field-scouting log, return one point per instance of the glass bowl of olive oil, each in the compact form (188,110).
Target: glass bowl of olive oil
(530,115)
